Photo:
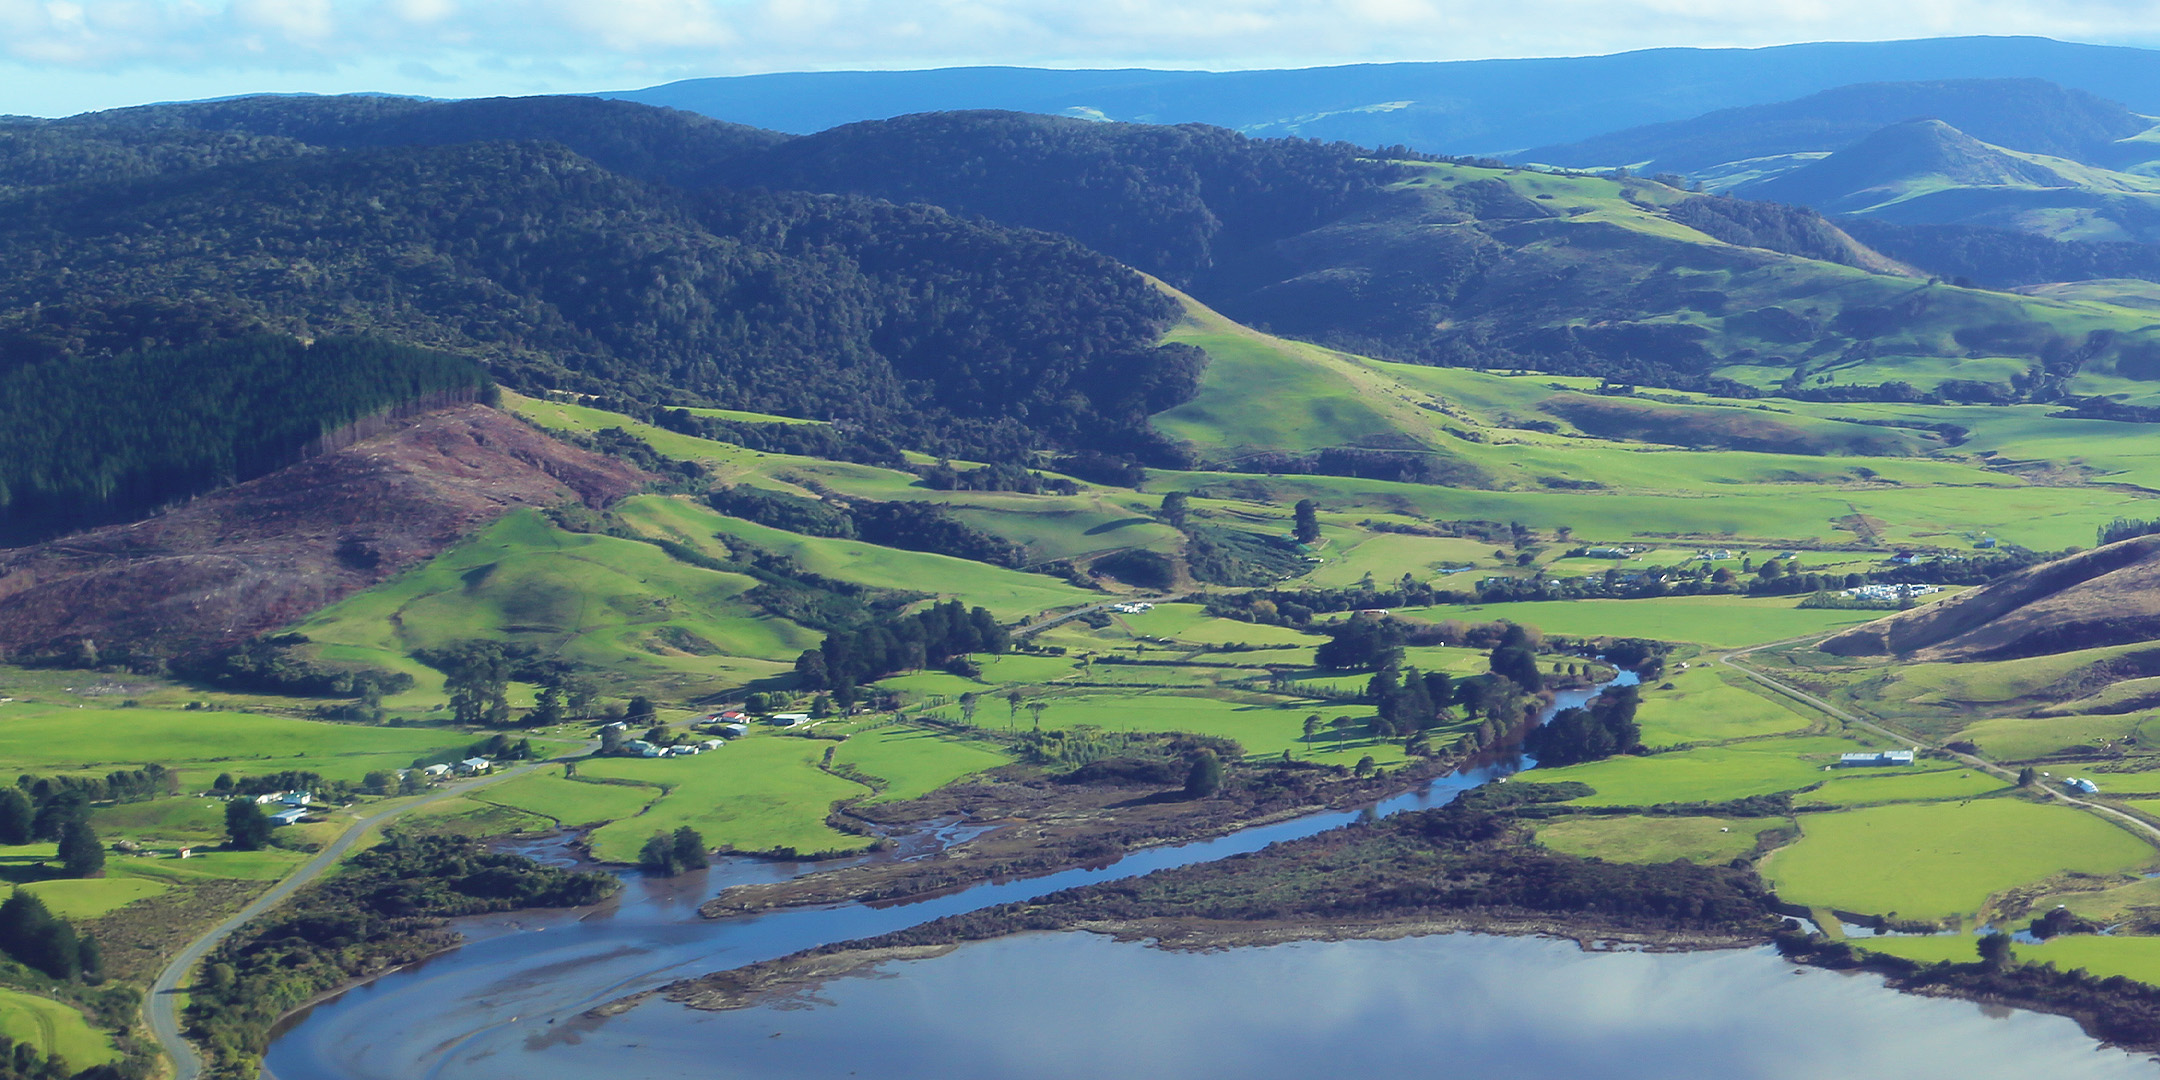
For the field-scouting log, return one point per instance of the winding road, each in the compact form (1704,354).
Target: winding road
(163,1004)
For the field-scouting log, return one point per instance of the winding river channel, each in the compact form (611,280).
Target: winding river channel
(509,1004)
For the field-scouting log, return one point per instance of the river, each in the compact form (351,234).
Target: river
(509,1003)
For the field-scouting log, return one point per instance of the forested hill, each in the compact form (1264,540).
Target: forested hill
(1186,203)
(87,441)
(955,335)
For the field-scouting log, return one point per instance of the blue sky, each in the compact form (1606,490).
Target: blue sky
(64,56)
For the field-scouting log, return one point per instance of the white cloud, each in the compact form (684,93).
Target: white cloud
(481,45)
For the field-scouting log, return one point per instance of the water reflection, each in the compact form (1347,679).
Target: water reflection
(1055,1006)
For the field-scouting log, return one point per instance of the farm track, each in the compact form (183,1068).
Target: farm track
(162,1005)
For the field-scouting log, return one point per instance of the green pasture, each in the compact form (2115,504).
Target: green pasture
(756,794)
(2023,739)
(1264,725)
(1008,593)
(1717,621)
(1704,774)
(88,898)
(2129,695)
(269,864)
(1867,787)
(1710,704)
(1643,839)
(915,761)
(55,1028)
(1943,859)
(1191,624)
(46,738)
(1388,556)
(569,802)
(618,607)
(186,819)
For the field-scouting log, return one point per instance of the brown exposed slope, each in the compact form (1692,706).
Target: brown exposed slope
(261,554)
(2106,596)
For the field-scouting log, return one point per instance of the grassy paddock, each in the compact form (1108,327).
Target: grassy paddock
(55,1029)
(757,794)
(915,761)
(1640,839)
(569,802)
(1705,774)
(1942,860)
(1863,788)
(1706,704)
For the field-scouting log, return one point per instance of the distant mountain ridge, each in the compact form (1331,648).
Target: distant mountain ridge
(2032,115)
(1460,107)
(1863,176)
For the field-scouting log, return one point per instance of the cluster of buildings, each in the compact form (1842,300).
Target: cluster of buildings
(293,805)
(1891,592)
(641,748)
(1134,608)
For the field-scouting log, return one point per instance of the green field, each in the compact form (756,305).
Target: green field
(1707,704)
(51,738)
(618,607)
(568,802)
(88,898)
(1265,726)
(756,794)
(915,761)
(1863,788)
(2023,738)
(1705,774)
(1638,839)
(1942,860)
(55,1029)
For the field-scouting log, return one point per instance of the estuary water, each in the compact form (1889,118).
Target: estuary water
(509,1003)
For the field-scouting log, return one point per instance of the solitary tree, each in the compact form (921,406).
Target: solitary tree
(1364,766)
(1995,951)
(15,816)
(1013,698)
(547,711)
(1305,521)
(1341,724)
(81,854)
(1206,775)
(690,851)
(1175,505)
(1035,708)
(1312,728)
(246,829)
(969,702)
